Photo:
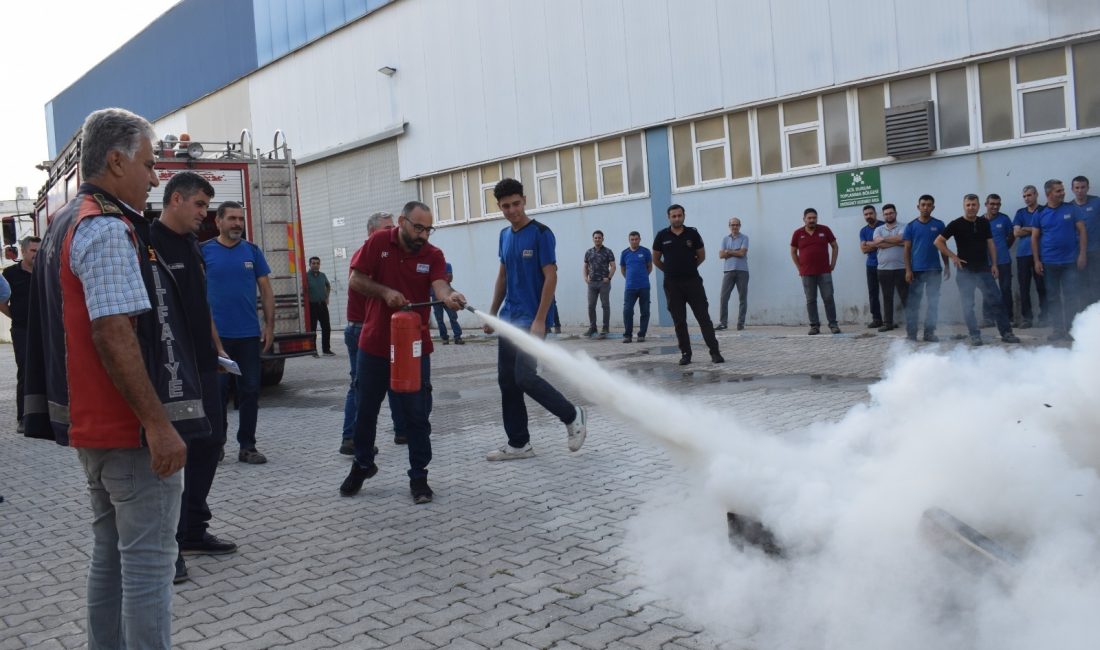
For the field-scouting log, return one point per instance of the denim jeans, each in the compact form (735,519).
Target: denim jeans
(891,281)
(246,352)
(602,290)
(373,379)
(811,285)
(452,315)
(1062,290)
(968,281)
(630,296)
(202,463)
(135,513)
(1090,281)
(1025,273)
(1004,284)
(517,375)
(729,280)
(351,401)
(923,281)
(872,293)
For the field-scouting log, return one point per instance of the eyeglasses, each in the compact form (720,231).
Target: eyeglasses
(420,230)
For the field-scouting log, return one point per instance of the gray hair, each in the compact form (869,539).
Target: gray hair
(28,240)
(1049,185)
(1030,187)
(374,222)
(972,197)
(414,205)
(107,130)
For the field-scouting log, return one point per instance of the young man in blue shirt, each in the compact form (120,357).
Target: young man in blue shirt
(1025,262)
(522,296)
(1000,226)
(735,272)
(870,252)
(635,263)
(1059,241)
(1088,211)
(922,269)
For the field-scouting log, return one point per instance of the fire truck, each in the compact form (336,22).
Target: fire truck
(264,182)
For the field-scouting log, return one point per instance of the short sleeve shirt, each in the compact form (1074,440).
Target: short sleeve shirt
(1001,227)
(599,262)
(232,273)
(637,267)
(923,254)
(729,242)
(971,242)
(1025,219)
(679,252)
(524,253)
(1058,234)
(410,273)
(867,233)
(893,258)
(1090,214)
(103,257)
(813,250)
(317,283)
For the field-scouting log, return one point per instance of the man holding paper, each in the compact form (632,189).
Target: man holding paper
(186,200)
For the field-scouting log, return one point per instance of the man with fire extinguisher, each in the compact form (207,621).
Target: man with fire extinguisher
(393,269)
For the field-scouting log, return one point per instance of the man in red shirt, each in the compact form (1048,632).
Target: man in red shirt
(813,251)
(396,267)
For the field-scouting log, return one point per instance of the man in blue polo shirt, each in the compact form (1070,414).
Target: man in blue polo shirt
(1059,241)
(235,267)
(1001,228)
(635,263)
(1025,262)
(1088,211)
(734,254)
(922,269)
(870,251)
(522,296)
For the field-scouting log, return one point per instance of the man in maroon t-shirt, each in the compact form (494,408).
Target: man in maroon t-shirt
(813,251)
(394,268)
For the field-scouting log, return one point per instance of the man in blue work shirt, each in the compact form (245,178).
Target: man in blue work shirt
(635,263)
(522,296)
(1001,228)
(734,254)
(922,269)
(235,267)
(439,309)
(1025,262)
(1088,211)
(870,251)
(1059,241)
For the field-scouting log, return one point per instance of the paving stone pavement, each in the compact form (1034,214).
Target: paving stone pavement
(521,554)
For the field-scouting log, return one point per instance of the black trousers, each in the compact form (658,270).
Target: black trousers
(872,293)
(682,293)
(892,281)
(202,463)
(19,345)
(318,313)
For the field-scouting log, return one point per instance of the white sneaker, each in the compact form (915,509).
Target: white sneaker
(508,452)
(577,430)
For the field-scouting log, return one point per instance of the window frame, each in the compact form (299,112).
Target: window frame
(448,194)
(786,131)
(1020,89)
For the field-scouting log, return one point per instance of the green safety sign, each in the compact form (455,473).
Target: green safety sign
(858,187)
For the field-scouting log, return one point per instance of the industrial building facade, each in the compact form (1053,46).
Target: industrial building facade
(609,111)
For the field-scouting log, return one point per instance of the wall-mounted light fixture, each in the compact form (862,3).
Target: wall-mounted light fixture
(387,70)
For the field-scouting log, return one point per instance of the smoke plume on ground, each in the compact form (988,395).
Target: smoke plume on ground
(1005,439)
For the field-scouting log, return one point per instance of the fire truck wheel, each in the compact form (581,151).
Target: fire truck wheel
(271,372)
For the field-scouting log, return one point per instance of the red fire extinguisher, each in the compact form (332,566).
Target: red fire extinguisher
(405,352)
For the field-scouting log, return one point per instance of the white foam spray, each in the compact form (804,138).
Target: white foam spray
(1008,440)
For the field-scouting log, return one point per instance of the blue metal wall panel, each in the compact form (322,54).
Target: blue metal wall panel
(285,25)
(196,47)
(660,197)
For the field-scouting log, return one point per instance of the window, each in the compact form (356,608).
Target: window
(445,195)
(835,108)
(872,122)
(740,145)
(953,106)
(800,124)
(491,174)
(710,149)
(567,160)
(612,167)
(995,97)
(910,91)
(767,134)
(1041,81)
(1086,57)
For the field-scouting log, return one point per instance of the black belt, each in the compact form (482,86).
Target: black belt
(357,324)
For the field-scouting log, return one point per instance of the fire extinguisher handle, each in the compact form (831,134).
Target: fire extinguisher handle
(415,305)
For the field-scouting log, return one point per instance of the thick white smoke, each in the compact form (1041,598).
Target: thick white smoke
(1006,439)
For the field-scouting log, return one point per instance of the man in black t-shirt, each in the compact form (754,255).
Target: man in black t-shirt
(186,201)
(678,251)
(975,250)
(19,278)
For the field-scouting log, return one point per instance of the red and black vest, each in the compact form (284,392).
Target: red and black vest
(69,396)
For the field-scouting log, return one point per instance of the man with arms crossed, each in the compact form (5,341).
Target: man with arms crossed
(735,272)
(522,295)
(891,266)
(110,356)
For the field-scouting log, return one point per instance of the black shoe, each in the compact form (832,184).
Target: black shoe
(628,339)
(602,335)
(354,482)
(445,341)
(834,329)
(399,439)
(740,326)
(557,329)
(459,341)
(1009,337)
(207,545)
(874,324)
(886,327)
(930,337)
(976,340)
(911,337)
(685,359)
(719,326)
(181,571)
(717,357)
(590,331)
(1025,324)
(329,353)
(420,491)
(814,330)
(641,339)
(251,456)
(347,447)
(221,454)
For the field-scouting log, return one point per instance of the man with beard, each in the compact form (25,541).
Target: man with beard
(814,253)
(394,268)
(891,265)
(18,277)
(234,269)
(1059,242)
(870,251)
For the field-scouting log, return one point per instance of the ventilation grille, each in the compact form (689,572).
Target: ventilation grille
(911,129)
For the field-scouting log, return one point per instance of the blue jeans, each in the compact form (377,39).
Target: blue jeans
(351,401)
(1004,283)
(1062,287)
(373,379)
(1025,273)
(452,315)
(246,352)
(641,296)
(968,281)
(517,374)
(135,513)
(929,281)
